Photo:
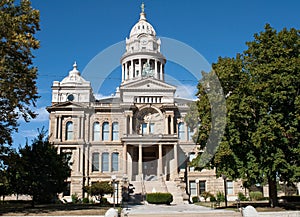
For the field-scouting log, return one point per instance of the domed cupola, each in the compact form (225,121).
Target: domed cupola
(142,27)
(142,57)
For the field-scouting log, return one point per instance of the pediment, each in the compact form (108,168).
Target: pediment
(148,84)
(66,106)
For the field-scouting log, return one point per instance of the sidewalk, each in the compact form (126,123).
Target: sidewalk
(189,210)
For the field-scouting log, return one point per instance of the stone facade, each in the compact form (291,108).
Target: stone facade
(139,133)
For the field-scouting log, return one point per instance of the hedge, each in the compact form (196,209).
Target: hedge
(159,198)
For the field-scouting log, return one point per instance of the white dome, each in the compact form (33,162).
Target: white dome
(142,27)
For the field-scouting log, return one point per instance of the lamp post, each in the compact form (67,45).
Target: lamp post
(197,187)
(225,188)
(113,178)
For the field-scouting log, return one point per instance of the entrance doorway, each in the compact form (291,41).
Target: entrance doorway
(150,163)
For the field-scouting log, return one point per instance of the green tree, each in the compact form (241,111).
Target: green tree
(40,171)
(4,184)
(262,89)
(18,91)
(99,189)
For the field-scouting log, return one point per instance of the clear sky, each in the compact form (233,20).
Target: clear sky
(77,30)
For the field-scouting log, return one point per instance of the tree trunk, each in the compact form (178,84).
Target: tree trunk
(273,201)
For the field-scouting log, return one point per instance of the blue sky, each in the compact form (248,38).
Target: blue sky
(78,30)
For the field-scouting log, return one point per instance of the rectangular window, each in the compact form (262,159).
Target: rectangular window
(229,187)
(105,131)
(105,162)
(144,128)
(181,131)
(115,162)
(193,188)
(115,129)
(151,128)
(201,186)
(95,162)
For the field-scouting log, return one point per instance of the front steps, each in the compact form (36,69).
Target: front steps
(159,186)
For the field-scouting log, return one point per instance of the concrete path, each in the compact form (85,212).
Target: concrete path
(183,210)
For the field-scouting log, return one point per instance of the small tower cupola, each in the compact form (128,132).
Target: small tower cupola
(142,57)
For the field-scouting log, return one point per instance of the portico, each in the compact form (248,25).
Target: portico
(151,159)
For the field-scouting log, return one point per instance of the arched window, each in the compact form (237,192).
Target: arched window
(96,131)
(181,131)
(105,131)
(95,162)
(69,131)
(105,162)
(115,162)
(115,131)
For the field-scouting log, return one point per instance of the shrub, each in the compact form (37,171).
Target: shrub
(242,197)
(75,198)
(159,198)
(206,194)
(212,198)
(85,200)
(220,196)
(195,199)
(256,195)
(104,201)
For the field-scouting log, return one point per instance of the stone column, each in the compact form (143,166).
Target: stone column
(176,158)
(126,70)
(110,132)
(123,71)
(82,127)
(79,127)
(140,169)
(160,160)
(166,124)
(155,69)
(126,124)
(125,158)
(55,127)
(130,124)
(141,67)
(59,128)
(161,72)
(131,73)
(172,124)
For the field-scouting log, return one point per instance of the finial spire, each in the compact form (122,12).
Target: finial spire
(75,70)
(143,7)
(142,14)
(75,65)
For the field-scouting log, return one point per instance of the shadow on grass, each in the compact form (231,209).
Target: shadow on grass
(25,208)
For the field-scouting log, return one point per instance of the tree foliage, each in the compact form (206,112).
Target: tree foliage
(99,189)
(18,91)
(262,89)
(38,170)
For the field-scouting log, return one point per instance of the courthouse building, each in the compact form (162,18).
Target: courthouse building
(138,134)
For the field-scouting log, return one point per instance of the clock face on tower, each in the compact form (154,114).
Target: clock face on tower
(144,41)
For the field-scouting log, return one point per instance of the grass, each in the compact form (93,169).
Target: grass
(21,208)
(261,206)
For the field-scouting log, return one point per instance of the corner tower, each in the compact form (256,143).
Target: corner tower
(142,57)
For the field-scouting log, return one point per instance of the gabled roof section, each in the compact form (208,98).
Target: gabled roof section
(148,84)
(66,106)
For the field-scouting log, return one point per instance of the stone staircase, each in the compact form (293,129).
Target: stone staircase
(176,192)
(159,186)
